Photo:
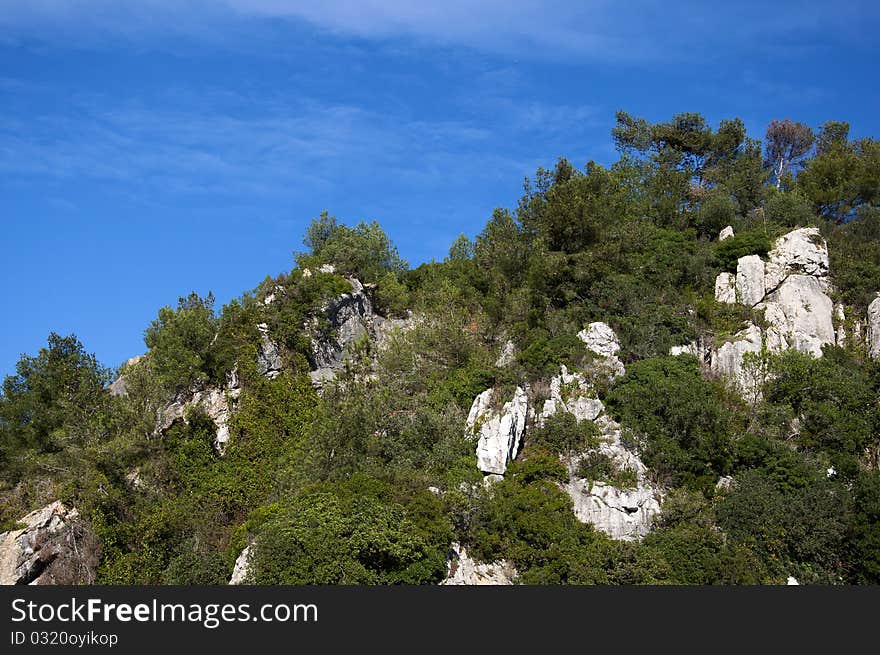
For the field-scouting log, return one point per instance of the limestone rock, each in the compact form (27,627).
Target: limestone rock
(725,288)
(749,280)
(216,403)
(727,360)
(726,233)
(570,392)
(799,316)
(269,361)
(622,513)
(499,433)
(348,318)
(600,338)
(462,569)
(55,547)
(242,567)
(507,355)
(118,386)
(873,337)
(802,251)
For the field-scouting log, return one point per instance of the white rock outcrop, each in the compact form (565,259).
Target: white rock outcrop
(726,233)
(791,289)
(53,547)
(873,337)
(217,403)
(749,280)
(727,360)
(800,316)
(269,361)
(462,569)
(570,392)
(601,340)
(801,251)
(499,433)
(242,567)
(725,288)
(621,513)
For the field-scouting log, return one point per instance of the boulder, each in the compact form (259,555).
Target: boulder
(873,337)
(499,433)
(749,280)
(53,547)
(462,569)
(725,288)
(726,233)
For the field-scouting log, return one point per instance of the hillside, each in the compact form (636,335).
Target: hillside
(660,372)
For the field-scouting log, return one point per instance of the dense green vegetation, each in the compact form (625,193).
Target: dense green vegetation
(334,487)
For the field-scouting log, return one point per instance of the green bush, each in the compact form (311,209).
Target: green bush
(752,242)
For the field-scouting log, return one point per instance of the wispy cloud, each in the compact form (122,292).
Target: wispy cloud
(307,147)
(642,31)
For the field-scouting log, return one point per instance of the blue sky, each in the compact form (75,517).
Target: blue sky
(153,147)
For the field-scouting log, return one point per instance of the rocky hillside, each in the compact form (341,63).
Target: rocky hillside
(607,386)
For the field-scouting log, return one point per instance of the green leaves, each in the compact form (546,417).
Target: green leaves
(364,251)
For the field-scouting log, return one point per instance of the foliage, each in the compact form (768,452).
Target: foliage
(364,251)
(686,428)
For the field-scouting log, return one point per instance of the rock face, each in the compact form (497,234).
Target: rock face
(499,433)
(725,288)
(727,360)
(570,392)
(874,328)
(216,403)
(242,567)
(462,569)
(790,288)
(600,339)
(749,280)
(621,513)
(269,361)
(118,386)
(347,319)
(800,316)
(55,547)
(725,234)
(802,251)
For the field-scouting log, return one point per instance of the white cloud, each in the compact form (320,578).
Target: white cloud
(643,31)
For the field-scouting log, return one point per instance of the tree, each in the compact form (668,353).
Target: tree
(179,341)
(364,251)
(844,175)
(787,144)
(51,401)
